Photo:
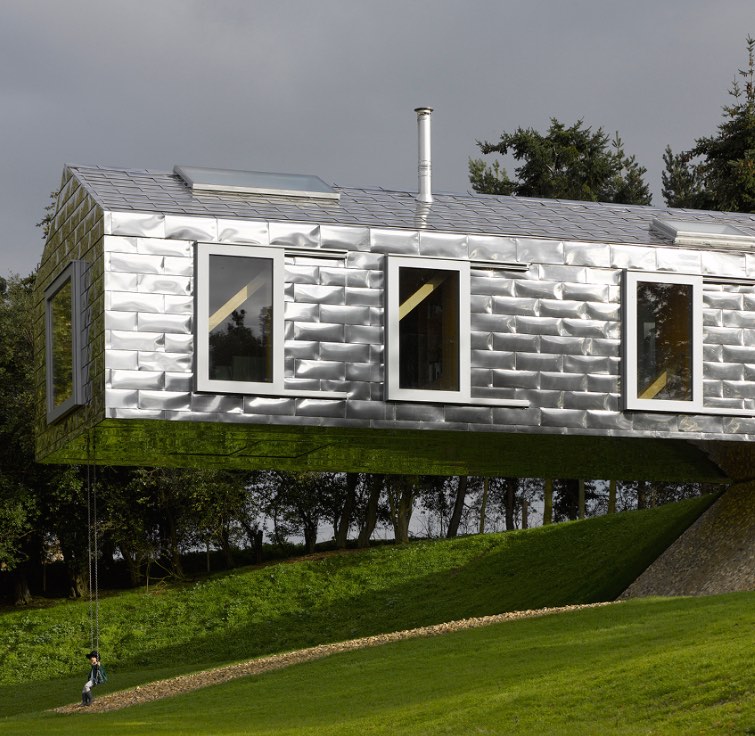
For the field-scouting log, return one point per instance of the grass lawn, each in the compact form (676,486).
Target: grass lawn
(537,669)
(656,666)
(287,606)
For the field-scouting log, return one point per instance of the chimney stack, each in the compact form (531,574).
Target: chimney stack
(424,168)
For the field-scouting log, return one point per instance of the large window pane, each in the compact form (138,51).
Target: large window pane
(240,318)
(664,341)
(428,329)
(63,342)
(61,345)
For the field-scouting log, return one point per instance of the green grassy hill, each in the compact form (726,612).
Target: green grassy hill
(341,596)
(177,628)
(653,666)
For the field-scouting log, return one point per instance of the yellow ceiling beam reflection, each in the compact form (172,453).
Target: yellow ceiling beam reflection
(420,295)
(655,387)
(244,293)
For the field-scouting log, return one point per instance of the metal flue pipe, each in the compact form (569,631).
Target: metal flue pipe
(424,168)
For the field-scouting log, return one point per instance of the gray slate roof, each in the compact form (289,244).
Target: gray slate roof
(155,191)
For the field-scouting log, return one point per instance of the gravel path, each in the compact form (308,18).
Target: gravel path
(186,683)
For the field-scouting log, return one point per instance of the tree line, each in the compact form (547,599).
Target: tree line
(576,162)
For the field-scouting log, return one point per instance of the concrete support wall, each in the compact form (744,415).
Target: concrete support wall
(715,555)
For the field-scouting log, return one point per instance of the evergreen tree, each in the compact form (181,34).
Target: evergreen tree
(566,163)
(718,173)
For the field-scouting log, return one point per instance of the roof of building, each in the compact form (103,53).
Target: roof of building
(155,191)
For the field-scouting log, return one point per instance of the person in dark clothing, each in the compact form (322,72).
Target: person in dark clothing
(95,677)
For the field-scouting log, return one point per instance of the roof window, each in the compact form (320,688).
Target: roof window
(201,179)
(695,232)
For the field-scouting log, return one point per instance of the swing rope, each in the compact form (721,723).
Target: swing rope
(89,549)
(92,545)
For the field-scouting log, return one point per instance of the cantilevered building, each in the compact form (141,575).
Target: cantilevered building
(203,317)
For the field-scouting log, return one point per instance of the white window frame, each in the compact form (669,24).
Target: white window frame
(70,274)
(393,390)
(631,400)
(203,382)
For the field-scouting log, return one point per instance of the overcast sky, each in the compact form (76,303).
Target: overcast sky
(328,87)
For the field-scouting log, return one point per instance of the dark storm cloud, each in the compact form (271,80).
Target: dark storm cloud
(330,87)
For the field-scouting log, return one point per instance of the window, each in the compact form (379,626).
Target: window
(255,182)
(428,327)
(239,319)
(702,233)
(63,342)
(663,342)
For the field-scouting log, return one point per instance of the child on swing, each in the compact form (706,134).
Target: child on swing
(96,677)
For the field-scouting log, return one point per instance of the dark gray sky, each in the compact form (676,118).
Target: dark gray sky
(329,87)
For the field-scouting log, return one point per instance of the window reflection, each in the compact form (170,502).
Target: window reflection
(61,336)
(428,329)
(240,320)
(664,341)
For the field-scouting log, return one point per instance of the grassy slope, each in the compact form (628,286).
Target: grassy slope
(660,666)
(286,606)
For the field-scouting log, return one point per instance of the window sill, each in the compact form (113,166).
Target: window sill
(463,401)
(707,410)
(274,392)
(312,394)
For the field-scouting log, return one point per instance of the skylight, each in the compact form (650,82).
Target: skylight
(694,232)
(255,182)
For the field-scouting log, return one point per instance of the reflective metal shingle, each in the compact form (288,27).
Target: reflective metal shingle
(163,193)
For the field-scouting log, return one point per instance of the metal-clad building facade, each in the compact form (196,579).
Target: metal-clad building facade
(546,317)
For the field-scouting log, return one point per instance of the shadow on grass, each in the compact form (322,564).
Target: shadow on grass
(583,562)
(564,564)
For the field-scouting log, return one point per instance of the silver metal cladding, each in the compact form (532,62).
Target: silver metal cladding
(550,335)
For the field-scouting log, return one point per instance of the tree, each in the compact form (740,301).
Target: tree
(718,172)
(19,509)
(218,503)
(401,492)
(129,516)
(35,500)
(18,506)
(511,486)
(62,501)
(31,515)
(295,503)
(577,499)
(368,517)
(566,163)
(458,508)
(442,504)
(344,515)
